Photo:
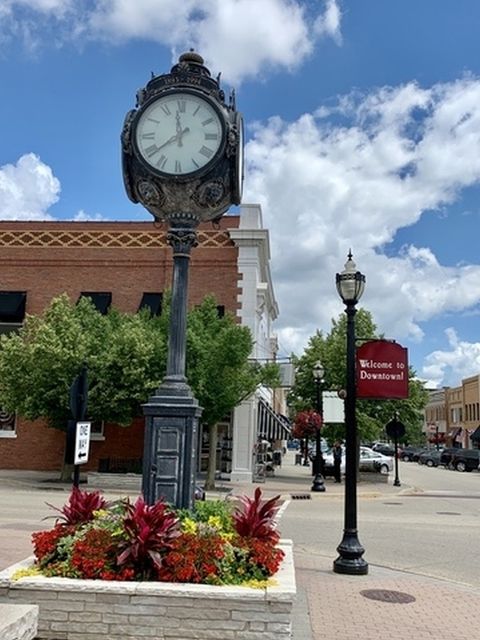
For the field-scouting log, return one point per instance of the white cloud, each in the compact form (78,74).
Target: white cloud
(326,187)
(27,189)
(329,22)
(449,367)
(240,38)
(83,216)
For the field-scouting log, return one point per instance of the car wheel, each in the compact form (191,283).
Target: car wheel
(460,466)
(406,458)
(384,468)
(429,463)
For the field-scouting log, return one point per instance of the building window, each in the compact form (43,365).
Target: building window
(221,310)
(152,302)
(97,430)
(7,424)
(12,310)
(101,300)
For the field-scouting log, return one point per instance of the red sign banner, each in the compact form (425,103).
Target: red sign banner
(382,370)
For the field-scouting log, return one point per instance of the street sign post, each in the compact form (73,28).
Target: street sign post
(396,430)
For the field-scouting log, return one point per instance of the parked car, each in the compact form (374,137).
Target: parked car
(447,454)
(383,448)
(430,458)
(464,459)
(369,461)
(411,453)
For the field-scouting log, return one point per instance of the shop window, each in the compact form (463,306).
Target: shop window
(97,430)
(7,424)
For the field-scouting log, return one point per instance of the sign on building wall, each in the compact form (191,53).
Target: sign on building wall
(382,370)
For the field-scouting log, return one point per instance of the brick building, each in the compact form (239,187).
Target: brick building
(454,413)
(127,265)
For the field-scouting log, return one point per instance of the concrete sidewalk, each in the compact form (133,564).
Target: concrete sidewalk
(329,606)
(385,603)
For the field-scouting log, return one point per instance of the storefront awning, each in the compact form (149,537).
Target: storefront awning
(476,435)
(270,425)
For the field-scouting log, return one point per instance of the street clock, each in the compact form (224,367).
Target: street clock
(182,147)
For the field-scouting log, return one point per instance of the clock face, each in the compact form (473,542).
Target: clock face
(179,133)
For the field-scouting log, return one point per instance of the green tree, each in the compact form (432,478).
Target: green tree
(372,415)
(126,359)
(220,370)
(124,354)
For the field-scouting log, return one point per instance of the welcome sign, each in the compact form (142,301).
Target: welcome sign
(382,370)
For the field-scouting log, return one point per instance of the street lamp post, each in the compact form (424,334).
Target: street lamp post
(350,286)
(318,483)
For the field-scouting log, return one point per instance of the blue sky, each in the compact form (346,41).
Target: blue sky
(363,131)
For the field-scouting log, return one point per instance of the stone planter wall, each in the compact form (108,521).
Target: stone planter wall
(104,610)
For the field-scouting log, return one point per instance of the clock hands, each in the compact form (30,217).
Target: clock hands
(169,141)
(180,132)
(177,137)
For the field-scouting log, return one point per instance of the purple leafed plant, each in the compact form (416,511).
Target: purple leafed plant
(149,532)
(80,507)
(255,517)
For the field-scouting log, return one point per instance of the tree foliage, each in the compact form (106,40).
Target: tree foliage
(126,359)
(219,368)
(125,356)
(372,415)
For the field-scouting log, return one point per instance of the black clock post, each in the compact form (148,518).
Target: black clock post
(182,156)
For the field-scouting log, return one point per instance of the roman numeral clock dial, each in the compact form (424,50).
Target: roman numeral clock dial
(179,133)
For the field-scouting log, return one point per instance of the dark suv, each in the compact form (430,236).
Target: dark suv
(460,459)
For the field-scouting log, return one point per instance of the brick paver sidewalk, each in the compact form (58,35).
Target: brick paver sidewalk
(338,610)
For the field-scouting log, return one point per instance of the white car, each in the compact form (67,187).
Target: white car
(369,461)
(373,461)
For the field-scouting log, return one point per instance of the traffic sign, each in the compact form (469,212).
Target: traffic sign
(395,429)
(82,442)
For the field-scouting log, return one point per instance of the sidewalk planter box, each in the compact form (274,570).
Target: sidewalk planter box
(109,610)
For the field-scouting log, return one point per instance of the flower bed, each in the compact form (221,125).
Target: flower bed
(72,609)
(114,570)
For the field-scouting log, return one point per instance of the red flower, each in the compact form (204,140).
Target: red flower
(306,424)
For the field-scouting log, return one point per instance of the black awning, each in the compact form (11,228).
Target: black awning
(12,306)
(476,435)
(101,300)
(270,425)
(152,302)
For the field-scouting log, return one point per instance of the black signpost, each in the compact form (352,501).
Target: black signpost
(395,430)
(78,407)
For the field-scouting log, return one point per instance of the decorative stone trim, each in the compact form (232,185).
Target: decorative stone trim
(104,239)
(100,610)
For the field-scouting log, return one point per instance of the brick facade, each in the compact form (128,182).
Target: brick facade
(45,259)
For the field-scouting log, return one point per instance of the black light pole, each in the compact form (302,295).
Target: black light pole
(350,286)
(318,483)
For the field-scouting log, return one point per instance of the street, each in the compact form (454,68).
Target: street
(429,526)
